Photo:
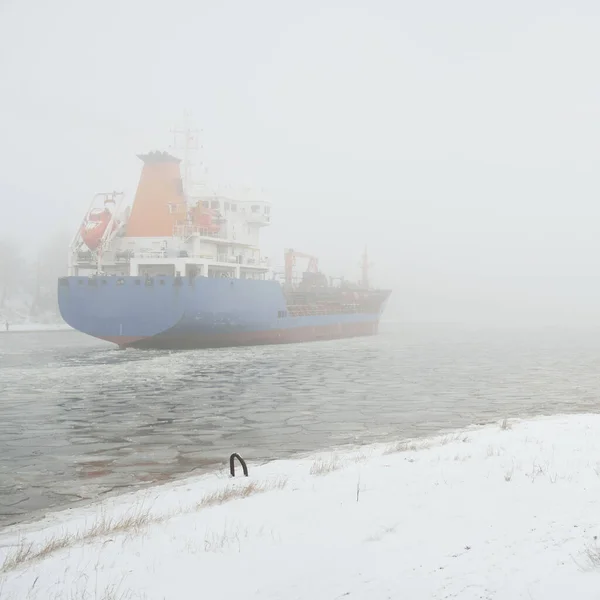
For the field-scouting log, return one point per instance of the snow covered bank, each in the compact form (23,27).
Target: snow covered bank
(34,327)
(501,512)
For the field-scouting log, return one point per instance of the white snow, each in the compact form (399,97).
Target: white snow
(33,327)
(487,513)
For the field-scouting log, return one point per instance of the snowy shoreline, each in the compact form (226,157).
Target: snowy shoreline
(34,328)
(504,511)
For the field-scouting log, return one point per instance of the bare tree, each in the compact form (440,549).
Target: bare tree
(30,286)
(51,264)
(11,270)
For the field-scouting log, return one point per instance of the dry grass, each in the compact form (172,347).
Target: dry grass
(131,523)
(27,552)
(217,542)
(110,593)
(19,555)
(361,457)
(425,444)
(493,451)
(592,554)
(322,466)
(408,446)
(505,425)
(455,437)
(54,544)
(77,588)
(236,492)
(462,457)
(536,471)
(546,469)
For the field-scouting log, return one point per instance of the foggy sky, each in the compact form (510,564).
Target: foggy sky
(458,140)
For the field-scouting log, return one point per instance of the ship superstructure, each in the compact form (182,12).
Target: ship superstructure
(169,233)
(178,270)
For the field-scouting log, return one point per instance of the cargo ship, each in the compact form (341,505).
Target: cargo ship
(182,271)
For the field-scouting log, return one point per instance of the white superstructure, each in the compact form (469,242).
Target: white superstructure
(208,236)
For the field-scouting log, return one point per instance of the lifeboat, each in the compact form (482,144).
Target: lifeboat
(94,227)
(97,221)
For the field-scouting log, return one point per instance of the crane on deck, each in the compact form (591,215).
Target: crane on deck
(290,263)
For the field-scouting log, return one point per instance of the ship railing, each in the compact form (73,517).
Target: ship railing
(259,218)
(156,254)
(186,231)
(85,258)
(305,310)
(224,258)
(243,261)
(253,262)
(221,258)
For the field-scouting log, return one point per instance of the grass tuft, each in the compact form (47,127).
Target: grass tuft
(217,542)
(323,466)
(22,553)
(129,523)
(232,492)
(592,554)
(493,451)
(408,446)
(425,444)
(360,457)
(455,437)
(505,425)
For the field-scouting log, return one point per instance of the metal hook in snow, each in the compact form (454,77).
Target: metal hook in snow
(232,464)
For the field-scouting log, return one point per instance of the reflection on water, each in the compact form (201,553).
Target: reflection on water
(79,419)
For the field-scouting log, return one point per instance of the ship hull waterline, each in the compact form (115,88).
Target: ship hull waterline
(253,338)
(199,313)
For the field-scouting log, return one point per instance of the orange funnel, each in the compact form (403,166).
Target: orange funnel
(159,200)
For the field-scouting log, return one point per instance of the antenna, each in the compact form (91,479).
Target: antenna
(365,269)
(186,139)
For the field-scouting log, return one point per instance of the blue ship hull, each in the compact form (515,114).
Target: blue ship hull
(177,313)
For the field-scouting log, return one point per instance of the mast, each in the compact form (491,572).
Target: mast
(365,270)
(186,139)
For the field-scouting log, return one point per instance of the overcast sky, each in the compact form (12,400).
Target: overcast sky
(459,140)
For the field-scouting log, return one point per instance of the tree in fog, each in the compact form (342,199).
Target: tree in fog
(29,287)
(51,263)
(11,270)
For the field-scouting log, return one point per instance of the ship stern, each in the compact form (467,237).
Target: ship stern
(121,310)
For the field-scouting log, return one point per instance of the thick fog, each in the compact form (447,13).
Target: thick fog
(457,140)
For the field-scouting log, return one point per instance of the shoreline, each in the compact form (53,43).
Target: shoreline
(37,517)
(39,328)
(503,511)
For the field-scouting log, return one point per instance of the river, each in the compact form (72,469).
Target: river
(80,419)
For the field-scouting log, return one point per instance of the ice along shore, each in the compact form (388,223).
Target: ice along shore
(505,512)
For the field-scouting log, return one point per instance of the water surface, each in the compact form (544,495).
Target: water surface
(80,419)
